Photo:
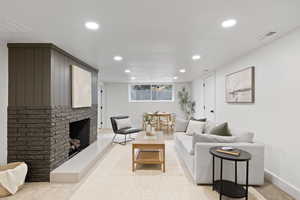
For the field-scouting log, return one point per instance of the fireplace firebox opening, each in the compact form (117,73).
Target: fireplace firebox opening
(79,136)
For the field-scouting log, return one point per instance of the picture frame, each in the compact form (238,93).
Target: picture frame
(240,86)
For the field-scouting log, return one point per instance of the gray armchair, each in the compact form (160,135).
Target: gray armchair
(124,131)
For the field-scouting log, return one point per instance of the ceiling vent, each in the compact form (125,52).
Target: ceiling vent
(268,35)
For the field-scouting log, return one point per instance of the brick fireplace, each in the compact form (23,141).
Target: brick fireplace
(41,120)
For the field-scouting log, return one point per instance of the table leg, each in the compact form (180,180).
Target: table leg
(164,160)
(235,172)
(221,179)
(213,174)
(133,158)
(247,176)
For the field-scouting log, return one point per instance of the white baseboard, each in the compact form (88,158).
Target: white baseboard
(282,184)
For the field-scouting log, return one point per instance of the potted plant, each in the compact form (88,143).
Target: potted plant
(149,129)
(186,103)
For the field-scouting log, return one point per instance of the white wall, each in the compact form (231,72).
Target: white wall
(198,96)
(116,103)
(3,101)
(274,116)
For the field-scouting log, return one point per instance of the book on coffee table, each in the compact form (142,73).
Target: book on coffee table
(229,152)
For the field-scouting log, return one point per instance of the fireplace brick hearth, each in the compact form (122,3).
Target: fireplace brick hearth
(40,136)
(40,111)
(61,117)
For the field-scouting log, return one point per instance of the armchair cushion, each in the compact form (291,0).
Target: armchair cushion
(123,123)
(129,130)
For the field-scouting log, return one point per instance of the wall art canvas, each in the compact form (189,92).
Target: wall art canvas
(240,86)
(81,87)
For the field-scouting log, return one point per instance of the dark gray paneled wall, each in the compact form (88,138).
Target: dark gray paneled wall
(61,79)
(29,77)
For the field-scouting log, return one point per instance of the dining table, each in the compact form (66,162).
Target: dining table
(160,115)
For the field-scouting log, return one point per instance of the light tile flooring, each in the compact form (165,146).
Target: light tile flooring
(112,179)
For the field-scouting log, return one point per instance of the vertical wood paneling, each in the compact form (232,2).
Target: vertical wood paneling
(40,76)
(29,93)
(67,90)
(20,81)
(12,78)
(61,76)
(46,76)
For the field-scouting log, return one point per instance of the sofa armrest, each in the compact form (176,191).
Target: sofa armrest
(204,147)
(203,162)
(181,125)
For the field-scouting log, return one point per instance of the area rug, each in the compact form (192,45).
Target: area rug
(113,179)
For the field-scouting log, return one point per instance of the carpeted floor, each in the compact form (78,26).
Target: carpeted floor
(113,179)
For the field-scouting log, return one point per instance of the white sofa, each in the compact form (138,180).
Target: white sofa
(198,161)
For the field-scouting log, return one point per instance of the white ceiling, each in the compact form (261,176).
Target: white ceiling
(155,37)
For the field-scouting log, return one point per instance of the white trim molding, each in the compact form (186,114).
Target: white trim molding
(282,184)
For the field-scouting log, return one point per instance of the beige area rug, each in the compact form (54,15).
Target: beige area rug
(114,180)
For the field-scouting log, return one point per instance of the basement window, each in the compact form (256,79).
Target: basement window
(151,93)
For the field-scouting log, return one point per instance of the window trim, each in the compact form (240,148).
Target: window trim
(150,101)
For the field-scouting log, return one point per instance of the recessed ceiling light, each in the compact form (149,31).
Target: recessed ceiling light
(92,25)
(196,57)
(133,78)
(175,77)
(127,71)
(118,58)
(229,23)
(182,70)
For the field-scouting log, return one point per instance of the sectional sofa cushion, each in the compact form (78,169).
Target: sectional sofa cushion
(242,136)
(185,142)
(220,130)
(195,127)
(206,138)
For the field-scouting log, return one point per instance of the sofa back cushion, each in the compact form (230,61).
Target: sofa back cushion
(206,138)
(195,127)
(242,136)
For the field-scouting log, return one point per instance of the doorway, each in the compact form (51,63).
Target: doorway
(101,106)
(209,94)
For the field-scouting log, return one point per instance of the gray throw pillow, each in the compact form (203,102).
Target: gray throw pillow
(220,130)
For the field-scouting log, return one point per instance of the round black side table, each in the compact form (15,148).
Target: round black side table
(226,187)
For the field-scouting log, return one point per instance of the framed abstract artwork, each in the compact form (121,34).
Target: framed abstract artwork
(81,87)
(240,86)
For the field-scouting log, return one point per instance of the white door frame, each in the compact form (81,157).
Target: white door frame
(101,104)
(213,74)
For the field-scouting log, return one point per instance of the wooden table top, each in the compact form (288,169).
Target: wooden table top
(159,114)
(158,138)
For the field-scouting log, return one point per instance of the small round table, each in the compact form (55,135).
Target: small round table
(226,187)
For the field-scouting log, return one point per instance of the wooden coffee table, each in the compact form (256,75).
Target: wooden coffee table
(149,150)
